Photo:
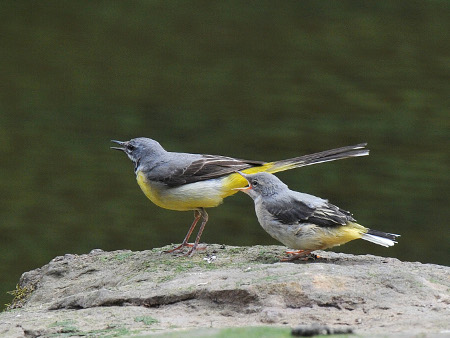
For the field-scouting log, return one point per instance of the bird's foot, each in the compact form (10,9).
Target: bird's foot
(303,255)
(179,247)
(193,247)
(294,252)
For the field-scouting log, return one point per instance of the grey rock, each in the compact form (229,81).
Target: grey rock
(150,291)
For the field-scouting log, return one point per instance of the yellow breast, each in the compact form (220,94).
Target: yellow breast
(204,194)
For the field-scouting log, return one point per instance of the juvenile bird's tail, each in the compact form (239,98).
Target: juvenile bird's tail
(323,156)
(381,238)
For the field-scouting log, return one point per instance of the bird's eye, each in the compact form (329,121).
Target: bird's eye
(130,147)
(255,183)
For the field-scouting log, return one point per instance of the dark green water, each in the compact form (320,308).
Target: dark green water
(253,80)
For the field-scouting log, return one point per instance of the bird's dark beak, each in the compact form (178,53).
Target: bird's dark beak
(244,189)
(123,144)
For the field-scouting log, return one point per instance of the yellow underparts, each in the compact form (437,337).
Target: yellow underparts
(203,194)
(234,181)
(341,234)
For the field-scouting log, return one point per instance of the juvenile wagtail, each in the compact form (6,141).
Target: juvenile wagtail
(304,222)
(182,181)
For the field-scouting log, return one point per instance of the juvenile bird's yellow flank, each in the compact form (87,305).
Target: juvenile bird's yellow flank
(341,235)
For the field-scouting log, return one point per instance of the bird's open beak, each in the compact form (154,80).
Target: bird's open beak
(123,144)
(244,189)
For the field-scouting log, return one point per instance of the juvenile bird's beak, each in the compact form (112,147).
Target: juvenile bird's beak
(245,189)
(123,144)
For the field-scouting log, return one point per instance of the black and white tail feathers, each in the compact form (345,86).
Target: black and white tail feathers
(381,238)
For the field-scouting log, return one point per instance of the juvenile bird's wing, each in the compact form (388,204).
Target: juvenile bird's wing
(295,210)
(330,215)
(205,167)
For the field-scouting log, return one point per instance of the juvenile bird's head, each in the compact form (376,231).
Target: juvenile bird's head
(262,184)
(139,148)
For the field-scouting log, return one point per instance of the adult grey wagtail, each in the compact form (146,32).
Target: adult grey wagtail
(304,222)
(183,181)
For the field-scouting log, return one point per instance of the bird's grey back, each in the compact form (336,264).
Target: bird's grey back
(288,207)
(174,169)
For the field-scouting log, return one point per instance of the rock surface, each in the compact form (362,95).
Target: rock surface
(135,293)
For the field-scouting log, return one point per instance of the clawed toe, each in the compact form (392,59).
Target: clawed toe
(190,245)
(179,247)
(303,255)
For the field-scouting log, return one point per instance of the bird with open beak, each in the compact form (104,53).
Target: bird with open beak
(185,181)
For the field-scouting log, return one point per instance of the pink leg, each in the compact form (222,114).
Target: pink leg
(204,215)
(197,215)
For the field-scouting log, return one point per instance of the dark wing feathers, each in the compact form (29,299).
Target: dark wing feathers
(207,167)
(327,215)
(290,212)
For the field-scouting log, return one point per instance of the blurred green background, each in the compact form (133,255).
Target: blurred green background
(257,80)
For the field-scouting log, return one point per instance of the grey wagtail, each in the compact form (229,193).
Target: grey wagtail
(182,181)
(304,222)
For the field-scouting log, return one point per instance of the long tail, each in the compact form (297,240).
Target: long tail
(237,181)
(381,238)
(323,156)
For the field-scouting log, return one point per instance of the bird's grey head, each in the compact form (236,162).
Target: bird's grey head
(262,184)
(138,148)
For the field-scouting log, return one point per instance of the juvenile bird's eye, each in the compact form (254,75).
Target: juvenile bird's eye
(130,147)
